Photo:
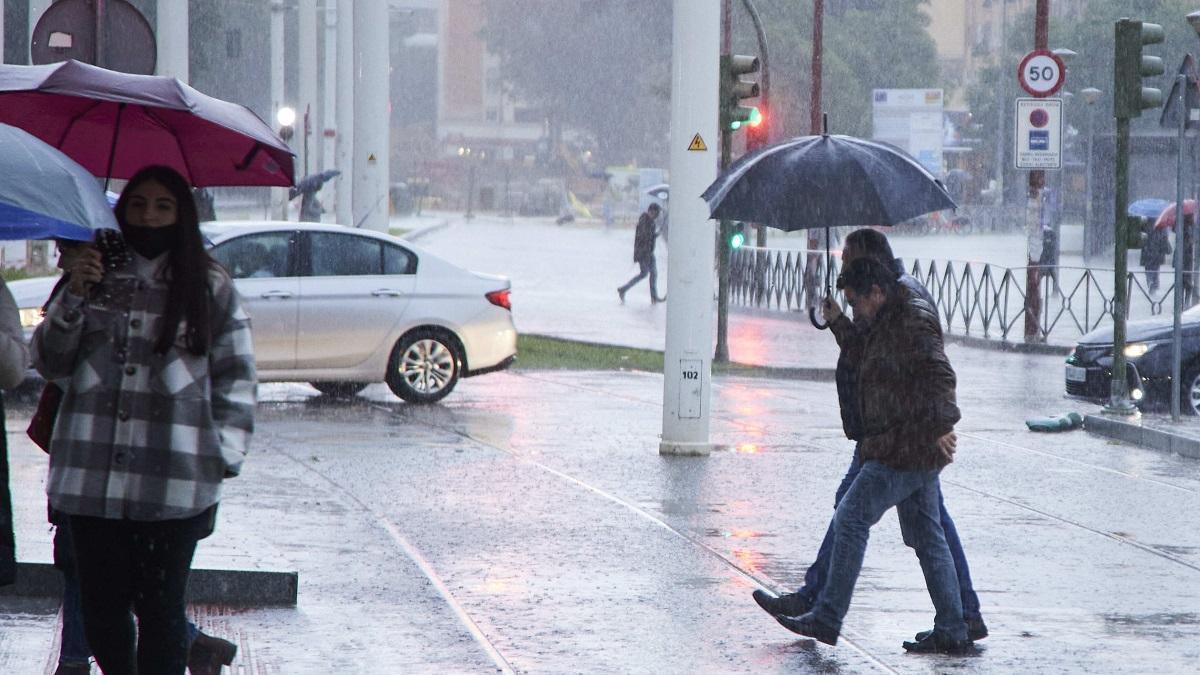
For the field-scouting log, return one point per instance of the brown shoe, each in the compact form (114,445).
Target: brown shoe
(209,653)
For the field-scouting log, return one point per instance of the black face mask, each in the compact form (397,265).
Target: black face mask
(150,242)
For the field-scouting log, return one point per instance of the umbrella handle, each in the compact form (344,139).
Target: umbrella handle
(812,317)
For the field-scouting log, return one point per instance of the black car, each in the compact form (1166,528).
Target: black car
(1148,353)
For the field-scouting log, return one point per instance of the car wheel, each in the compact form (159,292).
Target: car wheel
(339,389)
(1189,394)
(424,366)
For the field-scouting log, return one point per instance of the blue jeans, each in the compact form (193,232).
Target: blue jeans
(814,578)
(876,489)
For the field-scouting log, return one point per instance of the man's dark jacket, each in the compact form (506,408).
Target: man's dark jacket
(643,238)
(905,384)
(846,375)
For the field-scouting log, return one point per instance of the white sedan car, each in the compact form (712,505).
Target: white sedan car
(340,308)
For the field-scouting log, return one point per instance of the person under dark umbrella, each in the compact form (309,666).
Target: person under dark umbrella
(307,188)
(1155,249)
(643,254)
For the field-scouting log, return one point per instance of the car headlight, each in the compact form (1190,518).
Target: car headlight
(1136,349)
(30,317)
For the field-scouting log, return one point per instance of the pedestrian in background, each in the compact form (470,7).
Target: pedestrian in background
(871,244)
(1155,248)
(14,359)
(908,412)
(157,410)
(643,254)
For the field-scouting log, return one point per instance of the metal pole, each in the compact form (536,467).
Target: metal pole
(279,200)
(1119,402)
(1033,226)
(695,52)
(754,138)
(328,125)
(815,127)
(1088,225)
(98,58)
(1177,332)
(725,228)
(1002,105)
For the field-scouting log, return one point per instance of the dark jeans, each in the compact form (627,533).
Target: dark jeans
(73,647)
(648,268)
(1152,276)
(127,565)
(818,572)
(876,489)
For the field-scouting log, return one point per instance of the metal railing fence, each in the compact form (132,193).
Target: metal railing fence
(972,298)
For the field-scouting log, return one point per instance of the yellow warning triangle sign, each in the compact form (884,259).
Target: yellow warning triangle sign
(697,144)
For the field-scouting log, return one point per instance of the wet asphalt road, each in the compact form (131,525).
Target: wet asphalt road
(529,524)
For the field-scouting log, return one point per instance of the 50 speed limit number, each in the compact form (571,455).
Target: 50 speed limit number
(1041,73)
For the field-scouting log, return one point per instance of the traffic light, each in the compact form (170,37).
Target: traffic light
(737,236)
(734,89)
(1130,66)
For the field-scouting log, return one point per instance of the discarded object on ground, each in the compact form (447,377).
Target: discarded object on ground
(1060,422)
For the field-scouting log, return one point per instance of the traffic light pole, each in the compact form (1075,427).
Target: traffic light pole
(721,354)
(1119,402)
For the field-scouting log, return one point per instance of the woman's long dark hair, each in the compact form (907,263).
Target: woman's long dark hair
(188,263)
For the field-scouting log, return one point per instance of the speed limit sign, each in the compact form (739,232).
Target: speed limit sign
(1041,73)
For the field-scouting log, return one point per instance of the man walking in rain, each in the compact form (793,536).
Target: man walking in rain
(907,406)
(872,244)
(643,254)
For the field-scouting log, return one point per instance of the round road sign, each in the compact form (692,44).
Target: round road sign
(1041,73)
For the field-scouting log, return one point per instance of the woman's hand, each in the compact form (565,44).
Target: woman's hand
(830,310)
(85,268)
(947,444)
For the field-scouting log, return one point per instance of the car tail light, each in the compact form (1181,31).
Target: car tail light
(500,299)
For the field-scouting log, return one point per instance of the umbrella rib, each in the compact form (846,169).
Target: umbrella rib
(175,137)
(71,124)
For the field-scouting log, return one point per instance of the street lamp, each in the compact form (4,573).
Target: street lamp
(287,122)
(465,153)
(1090,96)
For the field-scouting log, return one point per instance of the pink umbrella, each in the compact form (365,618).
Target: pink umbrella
(116,123)
(1166,219)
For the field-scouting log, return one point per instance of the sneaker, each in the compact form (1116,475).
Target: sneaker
(976,630)
(808,626)
(938,643)
(788,604)
(209,653)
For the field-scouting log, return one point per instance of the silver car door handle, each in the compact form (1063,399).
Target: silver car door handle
(276,294)
(386,293)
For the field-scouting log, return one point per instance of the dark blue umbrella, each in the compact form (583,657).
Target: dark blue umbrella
(1148,208)
(826,181)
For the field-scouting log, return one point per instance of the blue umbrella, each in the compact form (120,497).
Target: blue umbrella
(1148,208)
(46,195)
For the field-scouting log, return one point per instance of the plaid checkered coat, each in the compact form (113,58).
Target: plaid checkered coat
(139,435)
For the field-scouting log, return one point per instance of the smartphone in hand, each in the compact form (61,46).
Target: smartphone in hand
(113,251)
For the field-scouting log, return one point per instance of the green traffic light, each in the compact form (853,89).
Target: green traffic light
(737,239)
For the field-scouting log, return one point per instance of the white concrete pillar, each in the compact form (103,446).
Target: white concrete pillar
(1,31)
(307,130)
(328,143)
(171,36)
(687,370)
(345,111)
(371,118)
(279,200)
(36,8)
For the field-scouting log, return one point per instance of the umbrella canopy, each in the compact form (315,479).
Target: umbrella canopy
(1166,219)
(44,194)
(1147,208)
(312,182)
(116,123)
(826,181)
